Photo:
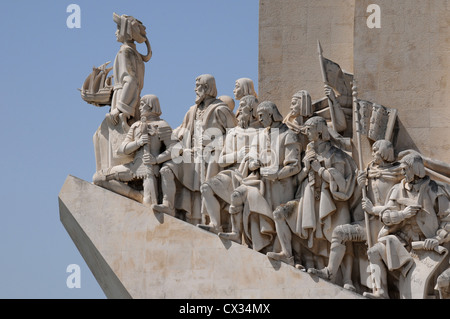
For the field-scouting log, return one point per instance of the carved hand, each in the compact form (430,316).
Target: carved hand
(330,93)
(361,179)
(149,159)
(367,205)
(115,116)
(254,165)
(410,211)
(143,140)
(315,165)
(243,154)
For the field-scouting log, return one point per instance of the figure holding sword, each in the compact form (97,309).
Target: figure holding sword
(149,140)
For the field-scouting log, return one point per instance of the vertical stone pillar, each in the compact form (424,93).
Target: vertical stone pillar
(288,35)
(405,64)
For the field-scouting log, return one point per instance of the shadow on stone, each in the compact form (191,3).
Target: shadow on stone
(275,264)
(159,217)
(226,242)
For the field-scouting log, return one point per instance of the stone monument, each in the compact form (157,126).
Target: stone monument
(324,185)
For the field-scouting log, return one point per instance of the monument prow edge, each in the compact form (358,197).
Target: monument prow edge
(135,253)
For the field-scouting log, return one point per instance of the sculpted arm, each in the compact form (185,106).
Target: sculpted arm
(228,156)
(165,135)
(392,215)
(291,164)
(443,233)
(130,145)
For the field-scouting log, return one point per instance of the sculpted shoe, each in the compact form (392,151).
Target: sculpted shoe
(160,208)
(322,273)
(231,236)
(349,286)
(380,294)
(211,228)
(281,257)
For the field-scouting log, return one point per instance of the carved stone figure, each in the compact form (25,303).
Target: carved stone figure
(443,284)
(128,72)
(228,100)
(148,141)
(410,217)
(244,87)
(302,109)
(378,178)
(327,182)
(200,138)
(234,159)
(275,162)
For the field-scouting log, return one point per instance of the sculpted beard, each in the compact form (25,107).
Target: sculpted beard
(243,121)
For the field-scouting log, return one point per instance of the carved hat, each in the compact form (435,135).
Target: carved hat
(306,107)
(130,27)
(153,102)
(272,109)
(415,162)
(386,150)
(321,126)
(210,82)
(247,86)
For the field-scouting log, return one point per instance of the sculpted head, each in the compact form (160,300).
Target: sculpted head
(149,106)
(412,167)
(301,104)
(246,113)
(228,100)
(316,128)
(268,114)
(244,87)
(383,151)
(205,86)
(129,29)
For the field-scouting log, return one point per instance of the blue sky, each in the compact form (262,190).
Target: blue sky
(47,128)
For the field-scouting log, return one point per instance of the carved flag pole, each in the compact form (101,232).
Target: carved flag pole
(325,81)
(360,158)
(363,190)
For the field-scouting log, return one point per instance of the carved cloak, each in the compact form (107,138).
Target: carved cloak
(323,206)
(191,172)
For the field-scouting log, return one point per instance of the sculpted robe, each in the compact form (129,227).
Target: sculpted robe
(264,195)
(201,137)
(128,73)
(323,206)
(226,181)
(434,199)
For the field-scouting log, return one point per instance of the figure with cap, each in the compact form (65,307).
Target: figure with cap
(149,142)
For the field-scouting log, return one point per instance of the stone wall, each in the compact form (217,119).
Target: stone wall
(405,64)
(288,35)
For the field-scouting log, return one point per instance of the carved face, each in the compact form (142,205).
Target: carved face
(118,36)
(265,118)
(238,92)
(244,114)
(145,109)
(408,172)
(312,133)
(376,155)
(200,91)
(296,104)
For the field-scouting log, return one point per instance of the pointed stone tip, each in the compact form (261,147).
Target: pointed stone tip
(319,47)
